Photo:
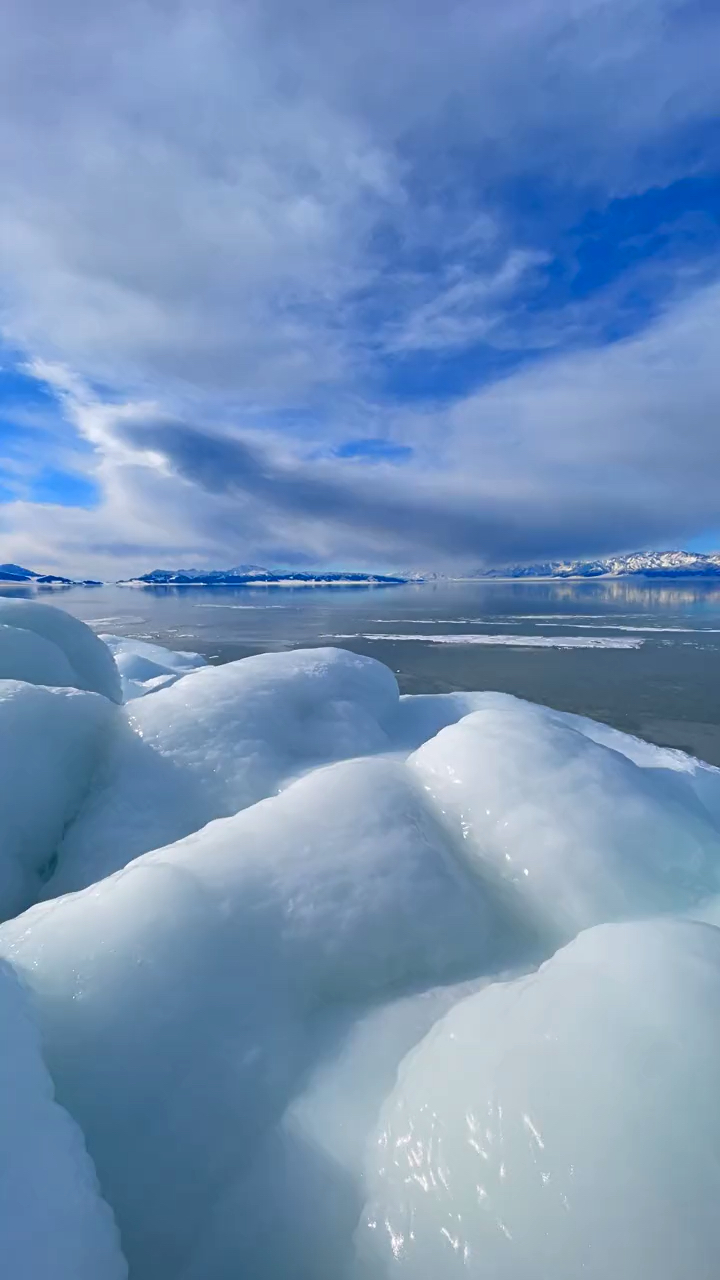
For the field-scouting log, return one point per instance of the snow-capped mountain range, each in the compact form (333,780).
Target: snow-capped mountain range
(240,575)
(15,573)
(244,575)
(649,564)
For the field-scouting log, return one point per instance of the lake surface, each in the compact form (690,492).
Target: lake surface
(644,657)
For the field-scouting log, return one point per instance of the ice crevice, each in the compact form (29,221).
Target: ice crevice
(333,983)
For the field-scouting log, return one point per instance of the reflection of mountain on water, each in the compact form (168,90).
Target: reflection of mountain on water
(644,593)
(651,595)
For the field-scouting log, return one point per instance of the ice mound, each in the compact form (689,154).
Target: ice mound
(280,879)
(54,1225)
(144,668)
(24,655)
(680,773)
(268,1222)
(213,960)
(90,661)
(574,832)
(561,1125)
(50,740)
(218,740)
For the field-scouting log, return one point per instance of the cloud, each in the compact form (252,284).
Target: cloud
(612,448)
(227,231)
(197,192)
(464,305)
(590,452)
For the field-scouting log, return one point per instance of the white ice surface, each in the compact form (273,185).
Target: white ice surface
(50,742)
(562,1125)
(267,1223)
(529,795)
(145,667)
(225,1017)
(25,655)
(54,1224)
(90,660)
(216,741)
(188,986)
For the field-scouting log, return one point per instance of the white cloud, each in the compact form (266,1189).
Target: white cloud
(231,213)
(465,306)
(191,192)
(601,450)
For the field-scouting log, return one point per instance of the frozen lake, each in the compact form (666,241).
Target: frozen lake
(641,656)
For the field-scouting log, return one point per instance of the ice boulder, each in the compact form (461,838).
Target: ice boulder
(562,1125)
(219,739)
(90,661)
(571,830)
(680,774)
(196,988)
(54,1224)
(24,655)
(294,1210)
(144,668)
(50,742)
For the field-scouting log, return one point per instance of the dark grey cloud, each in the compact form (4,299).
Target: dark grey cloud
(602,452)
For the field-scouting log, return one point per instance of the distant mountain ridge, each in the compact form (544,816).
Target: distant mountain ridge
(648,564)
(245,575)
(15,573)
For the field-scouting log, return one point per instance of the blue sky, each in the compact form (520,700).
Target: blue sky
(355,284)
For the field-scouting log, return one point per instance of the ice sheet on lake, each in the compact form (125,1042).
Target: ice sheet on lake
(616,626)
(519,642)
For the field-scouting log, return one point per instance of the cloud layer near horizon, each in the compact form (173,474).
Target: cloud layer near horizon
(310,282)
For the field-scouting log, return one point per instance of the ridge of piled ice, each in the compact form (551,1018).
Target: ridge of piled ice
(218,740)
(529,795)
(563,1124)
(137,979)
(54,1224)
(288,877)
(90,659)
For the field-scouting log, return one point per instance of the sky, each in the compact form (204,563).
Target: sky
(350,283)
